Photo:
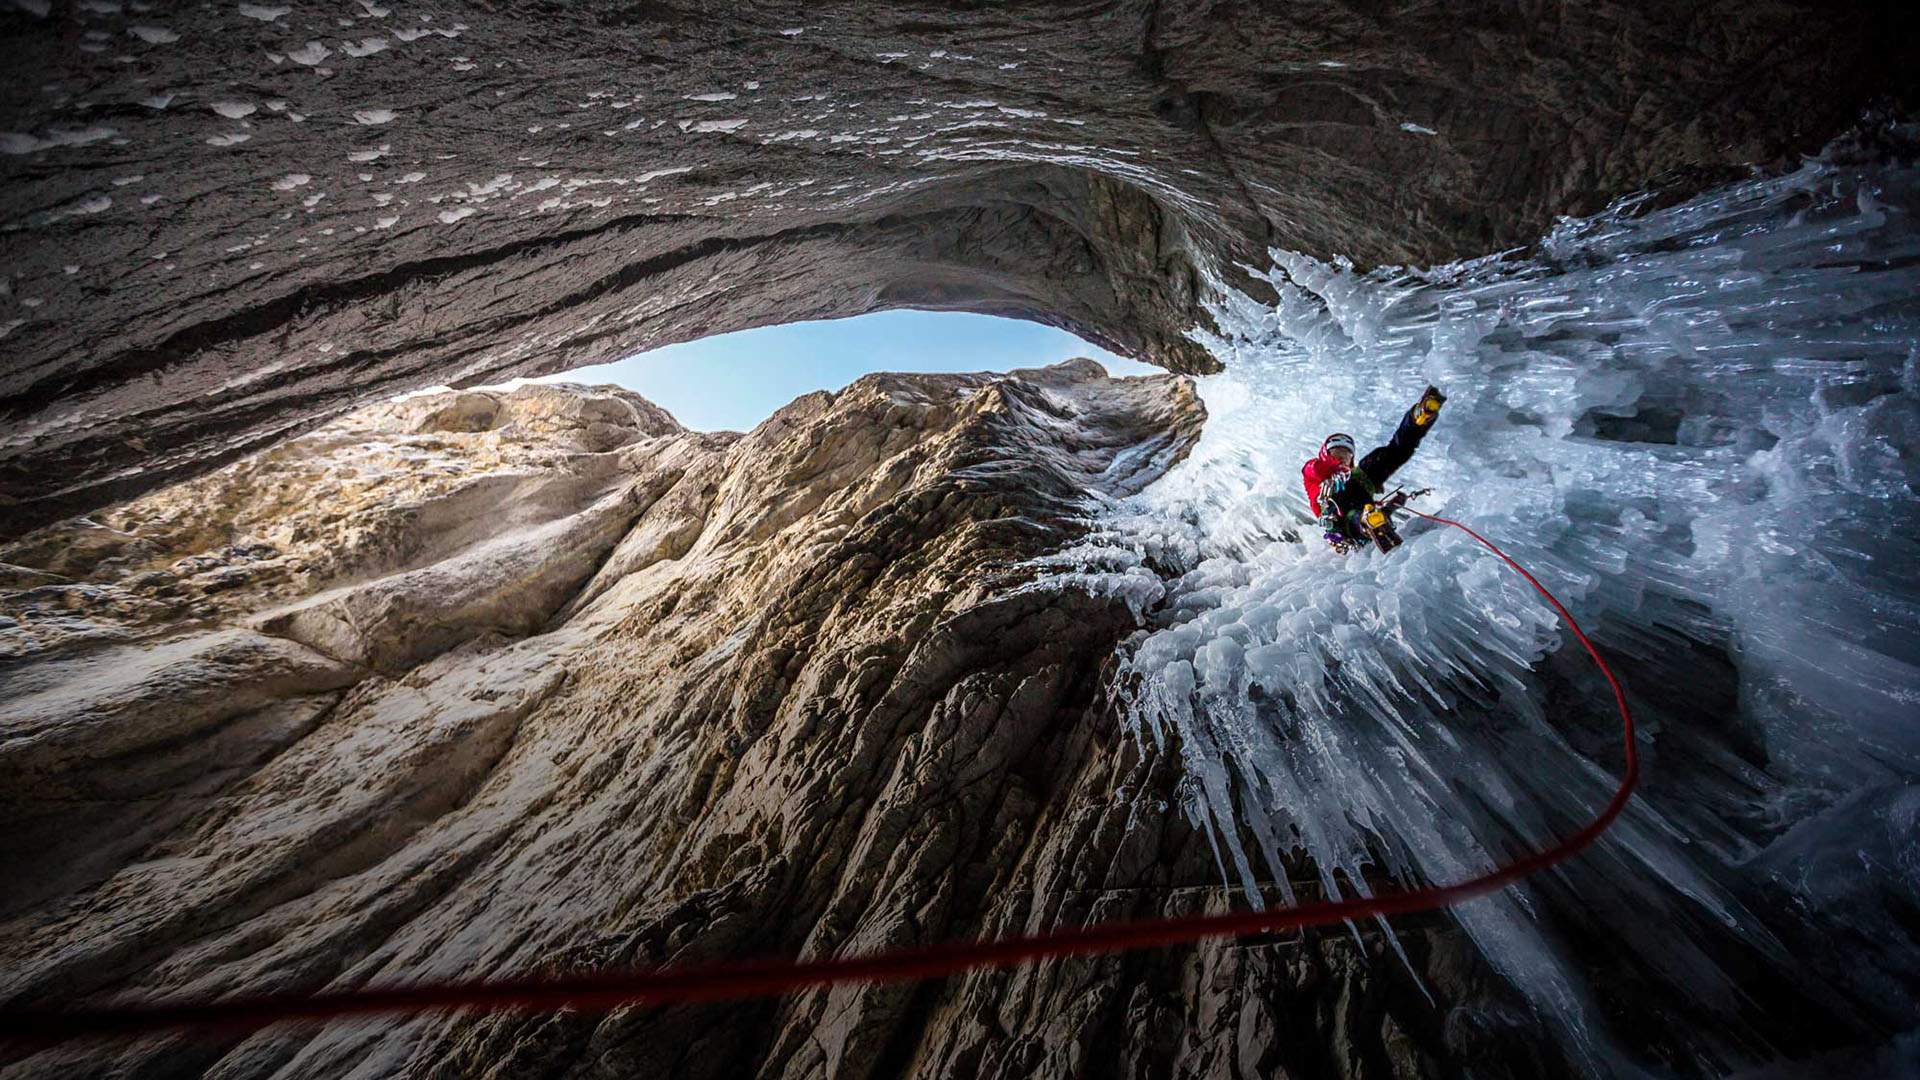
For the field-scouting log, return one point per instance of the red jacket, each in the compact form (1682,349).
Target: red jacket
(1318,471)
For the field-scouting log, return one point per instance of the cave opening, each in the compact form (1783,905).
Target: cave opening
(731,381)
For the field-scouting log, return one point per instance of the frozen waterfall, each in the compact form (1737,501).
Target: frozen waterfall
(1699,424)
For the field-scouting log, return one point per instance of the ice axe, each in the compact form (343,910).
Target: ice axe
(1377,518)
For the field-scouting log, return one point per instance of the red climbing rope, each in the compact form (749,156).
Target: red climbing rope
(741,980)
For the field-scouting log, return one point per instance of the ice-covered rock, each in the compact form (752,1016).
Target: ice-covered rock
(1699,424)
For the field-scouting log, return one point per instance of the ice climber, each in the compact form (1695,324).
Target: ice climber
(1339,491)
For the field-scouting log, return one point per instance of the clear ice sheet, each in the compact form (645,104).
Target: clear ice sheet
(1700,425)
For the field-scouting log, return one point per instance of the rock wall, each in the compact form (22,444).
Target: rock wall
(481,683)
(221,225)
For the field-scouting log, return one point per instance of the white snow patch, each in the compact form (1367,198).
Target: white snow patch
(310,54)
(490,188)
(17,143)
(231,138)
(156,102)
(291,181)
(364,47)
(234,110)
(719,95)
(719,125)
(385,222)
(448,217)
(154,35)
(793,31)
(92,204)
(263,12)
(1417,129)
(373,117)
(370,155)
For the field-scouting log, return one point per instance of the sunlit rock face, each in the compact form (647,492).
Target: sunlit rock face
(483,683)
(495,683)
(223,224)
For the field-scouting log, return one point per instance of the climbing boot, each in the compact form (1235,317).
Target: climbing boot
(1429,406)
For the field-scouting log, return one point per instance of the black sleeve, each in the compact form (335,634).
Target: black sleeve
(1352,497)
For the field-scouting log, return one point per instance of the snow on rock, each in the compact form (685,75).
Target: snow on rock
(19,143)
(310,54)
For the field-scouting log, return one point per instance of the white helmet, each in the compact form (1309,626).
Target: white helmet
(1337,439)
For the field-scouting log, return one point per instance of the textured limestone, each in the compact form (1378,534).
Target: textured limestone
(222,224)
(811,702)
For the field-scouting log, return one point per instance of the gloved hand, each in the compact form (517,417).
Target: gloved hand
(1429,406)
(1341,542)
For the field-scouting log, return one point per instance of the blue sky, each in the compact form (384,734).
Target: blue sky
(734,381)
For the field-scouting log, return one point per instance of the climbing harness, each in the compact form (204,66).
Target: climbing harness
(240,1014)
